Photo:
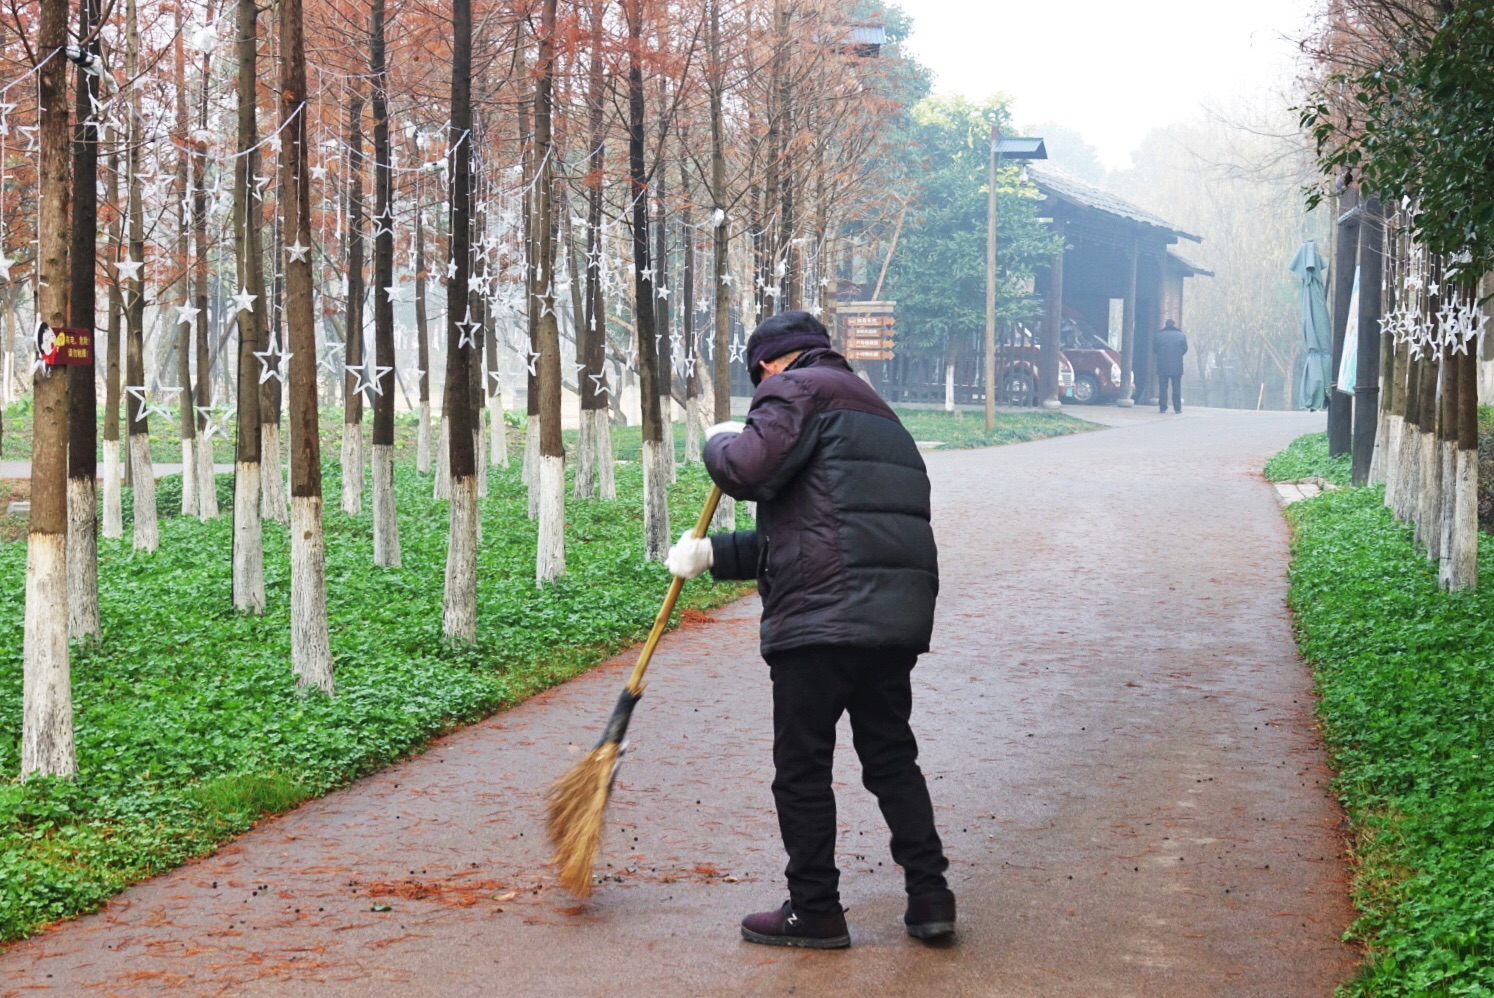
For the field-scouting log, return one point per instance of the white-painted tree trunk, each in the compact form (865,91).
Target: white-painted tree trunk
(82,560)
(248,546)
(656,539)
(207,480)
(113,505)
(949,370)
(1405,492)
(531,465)
(1446,499)
(386,519)
(272,475)
(189,477)
(666,453)
(46,679)
(423,440)
(606,464)
(311,647)
(586,455)
(550,560)
(694,430)
(352,468)
(725,520)
(459,606)
(482,465)
(1426,499)
(1462,561)
(147,533)
(1377,457)
(441,488)
(497,431)
(1392,467)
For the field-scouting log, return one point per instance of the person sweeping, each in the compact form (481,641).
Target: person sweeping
(848,573)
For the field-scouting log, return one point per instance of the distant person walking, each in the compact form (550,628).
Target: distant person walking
(1170,347)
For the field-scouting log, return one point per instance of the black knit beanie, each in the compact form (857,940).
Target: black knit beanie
(781,334)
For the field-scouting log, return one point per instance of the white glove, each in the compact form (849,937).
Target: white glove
(725,428)
(690,557)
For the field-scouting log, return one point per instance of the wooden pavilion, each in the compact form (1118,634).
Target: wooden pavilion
(1116,251)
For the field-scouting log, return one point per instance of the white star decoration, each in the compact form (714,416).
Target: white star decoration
(395,293)
(243,301)
(186,313)
(599,384)
(296,252)
(129,270)
(273,363)
(534,357)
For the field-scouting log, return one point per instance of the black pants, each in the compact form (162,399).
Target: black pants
(1176,380)
(811,689)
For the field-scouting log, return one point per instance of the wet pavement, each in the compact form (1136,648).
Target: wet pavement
(1114,721)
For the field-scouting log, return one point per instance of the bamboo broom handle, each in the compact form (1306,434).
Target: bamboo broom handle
(635,682)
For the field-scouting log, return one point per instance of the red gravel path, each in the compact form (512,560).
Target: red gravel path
(1116,726)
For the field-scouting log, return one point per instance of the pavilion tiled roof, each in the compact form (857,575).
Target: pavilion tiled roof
(1057,183)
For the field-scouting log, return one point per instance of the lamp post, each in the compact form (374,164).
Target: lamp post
(1011,148)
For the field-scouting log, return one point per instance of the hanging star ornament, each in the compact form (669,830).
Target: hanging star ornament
(395,294)
(534,357)
(243,301)
(296,252)
(129,270)
(186,313)
(370,377)
(738,351)
(273,362)
(599,387)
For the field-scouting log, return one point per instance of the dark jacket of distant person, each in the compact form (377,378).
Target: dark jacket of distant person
(1170,346)
(843,552)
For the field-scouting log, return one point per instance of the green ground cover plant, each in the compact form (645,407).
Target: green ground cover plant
(1406,696)
(1307,457)
(959,430)
(190,728)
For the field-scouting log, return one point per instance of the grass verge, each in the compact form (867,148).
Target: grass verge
(1307,457)
(1406,697)
(190,728)
(960,430)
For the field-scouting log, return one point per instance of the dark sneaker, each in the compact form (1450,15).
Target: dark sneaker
(931,916)
(785,927)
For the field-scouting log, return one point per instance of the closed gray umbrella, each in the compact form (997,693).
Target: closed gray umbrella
(1317,337)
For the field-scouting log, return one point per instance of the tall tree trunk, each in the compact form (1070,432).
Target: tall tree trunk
(422,341)
(726,517)
(248,549)
(386,522)
(311,653)
(82,467)
(550,560)
(272,465)
(46,690)
(143,476)
(594,469)
(352,399)
(655,473)
(459,608)
(186,418)
(527,162)
(113,505)
(693,429)
(664,337)
(207,481)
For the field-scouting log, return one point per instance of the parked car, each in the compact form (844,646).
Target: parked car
(1097,368)
(1018,354)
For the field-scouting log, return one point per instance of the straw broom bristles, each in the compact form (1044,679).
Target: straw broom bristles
(578,801)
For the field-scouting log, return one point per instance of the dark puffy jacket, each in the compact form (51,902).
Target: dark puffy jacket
(844,553)
(1169,347)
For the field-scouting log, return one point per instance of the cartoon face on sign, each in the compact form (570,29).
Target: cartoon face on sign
(46,343)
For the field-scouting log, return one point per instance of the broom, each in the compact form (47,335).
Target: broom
(578,799)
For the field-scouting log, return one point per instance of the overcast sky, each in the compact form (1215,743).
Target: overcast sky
(1110,70)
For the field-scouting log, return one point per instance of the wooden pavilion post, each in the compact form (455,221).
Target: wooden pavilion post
(1128,332)
(1053,327)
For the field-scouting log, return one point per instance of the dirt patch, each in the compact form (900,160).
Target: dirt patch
(13,528)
